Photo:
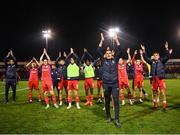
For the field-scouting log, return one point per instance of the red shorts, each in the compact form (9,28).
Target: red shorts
(72,85)
(33,84)
(158,83)
(89,83)
(99,84)
(123,83)
(138,82)
(61,84)
(47,85)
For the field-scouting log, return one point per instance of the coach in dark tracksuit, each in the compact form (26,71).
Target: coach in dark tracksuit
(110,79)
(11,75)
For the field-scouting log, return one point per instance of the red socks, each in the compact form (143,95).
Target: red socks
(30,94)
(69,99)
(77,98)
(164,104)
(46,100)
(122,95)
(54,99)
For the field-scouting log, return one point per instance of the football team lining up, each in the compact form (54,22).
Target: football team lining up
(110,70)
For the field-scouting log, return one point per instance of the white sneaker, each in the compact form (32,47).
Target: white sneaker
(123,102)
(130,102)
(60,104)
(56,106)
(103,109)
(30,101)
(69,106)
(47,106)
(140,100)
(77,105)
(145,95)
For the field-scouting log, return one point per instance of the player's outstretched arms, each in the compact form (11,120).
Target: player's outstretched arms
(141,55)
(41,58)
(36,62)
(47,56)
(129,56)
(100,49)
(145,57)
(167,53)
(28,64)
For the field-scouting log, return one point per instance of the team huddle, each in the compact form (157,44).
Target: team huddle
(110,70)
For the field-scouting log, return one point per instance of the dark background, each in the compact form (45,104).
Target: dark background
(78,25)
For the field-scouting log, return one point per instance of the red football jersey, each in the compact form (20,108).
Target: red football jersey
(46,72)
(33,74)
(138,69)
(122,71)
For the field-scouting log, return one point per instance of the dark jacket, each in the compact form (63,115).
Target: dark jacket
(61,72)
(54,76)
(157,67)
(98,70)
(109,67)
(61,69)
(11,70)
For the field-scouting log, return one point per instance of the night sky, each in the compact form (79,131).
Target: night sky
(78,25)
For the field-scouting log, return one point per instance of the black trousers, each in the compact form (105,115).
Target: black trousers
(10,83)
(114,90)
(55,86)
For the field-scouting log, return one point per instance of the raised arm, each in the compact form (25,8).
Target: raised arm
(56,62)
(142,58)
(100,49)
(36,61)
(67,61)
(76,58)
(6,59)
(167,53)
(118,49)
(86,55)
(64,54)
(28,64)
(13,58)
(41,58)
(95,62)
(134,57)
(145,57)
(47,56)
(90,56)
(129,56)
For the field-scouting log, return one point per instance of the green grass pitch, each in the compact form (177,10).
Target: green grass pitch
(23,117)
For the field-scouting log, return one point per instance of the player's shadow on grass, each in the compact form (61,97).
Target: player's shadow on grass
(17,103)
(136,115)
(174,106)
(172,103)
(96,109)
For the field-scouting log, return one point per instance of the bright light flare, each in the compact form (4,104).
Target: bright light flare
(46,33)
(113,31)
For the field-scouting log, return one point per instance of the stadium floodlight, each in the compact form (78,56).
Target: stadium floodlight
(113,31)
(47,34)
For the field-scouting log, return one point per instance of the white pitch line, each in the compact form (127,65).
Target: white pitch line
(16,90)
